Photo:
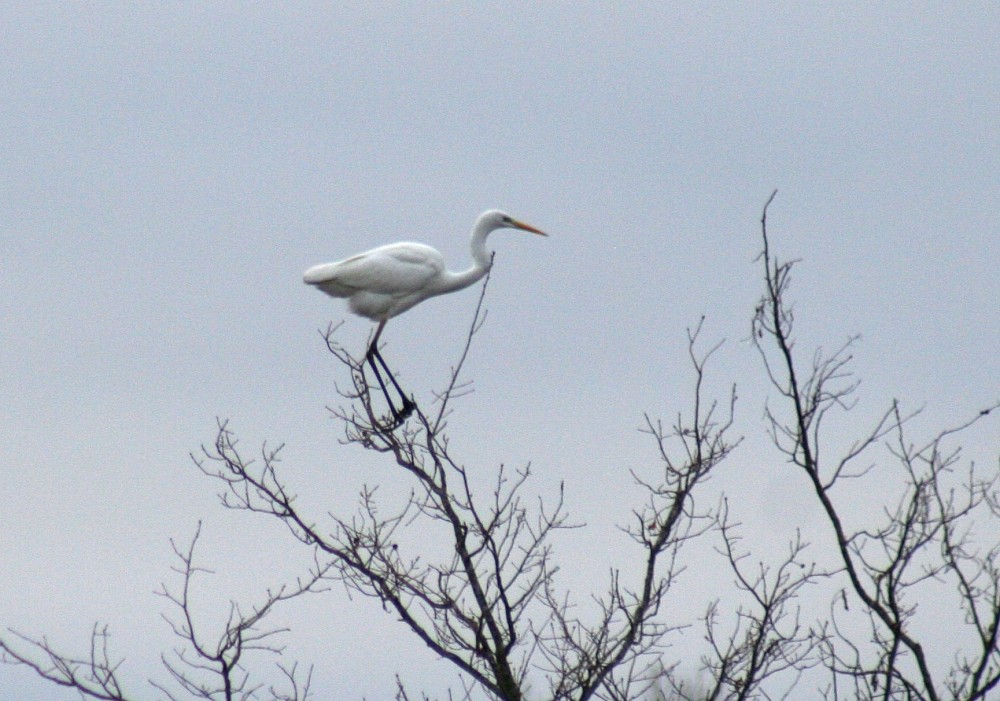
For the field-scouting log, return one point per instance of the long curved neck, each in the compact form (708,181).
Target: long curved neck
(481,262)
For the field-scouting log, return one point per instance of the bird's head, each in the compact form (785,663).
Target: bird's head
(495,219)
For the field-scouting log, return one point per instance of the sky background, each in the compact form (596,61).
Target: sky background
(168,172)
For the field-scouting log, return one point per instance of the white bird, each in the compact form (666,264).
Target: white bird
(386,281)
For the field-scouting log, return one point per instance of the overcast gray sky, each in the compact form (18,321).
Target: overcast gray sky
(169,170)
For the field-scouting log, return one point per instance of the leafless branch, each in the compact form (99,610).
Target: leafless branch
(767,636)
(212,668)
(94,676)
(924,541)
(479,585)
(468,608)
(617,657)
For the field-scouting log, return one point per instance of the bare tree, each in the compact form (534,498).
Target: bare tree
(200,667)
(207,668)
(493,607)
(922,547)
(485,595)
(618,656)
(94,675)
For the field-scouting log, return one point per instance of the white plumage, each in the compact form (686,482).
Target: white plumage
(382,282)
(386,281)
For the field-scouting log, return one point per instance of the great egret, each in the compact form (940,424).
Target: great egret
(386,281)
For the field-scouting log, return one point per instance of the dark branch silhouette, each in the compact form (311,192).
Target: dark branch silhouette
(925,540)
(480,587)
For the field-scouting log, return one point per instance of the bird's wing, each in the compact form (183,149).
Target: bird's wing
(396,269)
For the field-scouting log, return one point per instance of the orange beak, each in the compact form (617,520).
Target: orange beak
(525,227)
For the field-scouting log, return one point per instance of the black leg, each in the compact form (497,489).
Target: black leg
(408,406)
(400,415)
(381,383)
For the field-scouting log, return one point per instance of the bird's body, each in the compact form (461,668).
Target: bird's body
(386,281)
(383,282)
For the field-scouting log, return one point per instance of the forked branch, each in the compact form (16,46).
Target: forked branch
(924,540)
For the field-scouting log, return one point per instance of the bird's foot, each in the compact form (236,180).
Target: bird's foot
(408,406)
(399,417)
(403,414)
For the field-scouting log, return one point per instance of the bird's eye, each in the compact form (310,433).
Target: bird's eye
(507,220)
